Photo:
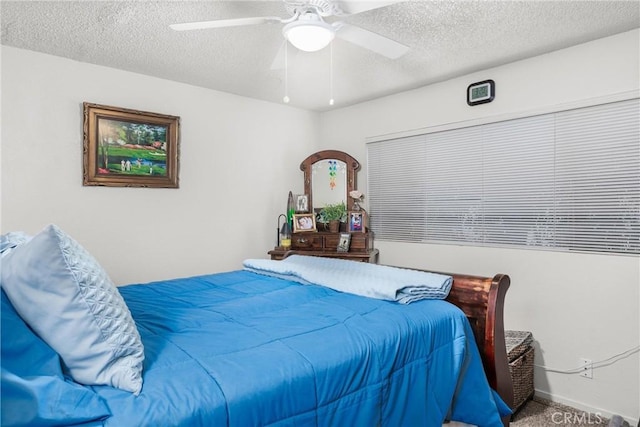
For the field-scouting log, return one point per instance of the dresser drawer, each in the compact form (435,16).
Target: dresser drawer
(360,242)
(309,242)
(331,242)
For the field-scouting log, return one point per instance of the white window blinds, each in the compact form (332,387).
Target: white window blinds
(563,181)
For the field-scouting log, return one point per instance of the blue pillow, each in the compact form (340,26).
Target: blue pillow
(22,352)
(33,389)
(64,295)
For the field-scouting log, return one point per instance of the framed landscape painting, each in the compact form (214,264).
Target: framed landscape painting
(129,148)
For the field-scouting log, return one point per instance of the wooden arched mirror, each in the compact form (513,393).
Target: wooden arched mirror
(329,176)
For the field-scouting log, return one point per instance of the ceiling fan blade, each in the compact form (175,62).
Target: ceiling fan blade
(370,40)
(351,7)
(221,23)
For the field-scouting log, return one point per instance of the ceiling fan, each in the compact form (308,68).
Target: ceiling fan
(307,30)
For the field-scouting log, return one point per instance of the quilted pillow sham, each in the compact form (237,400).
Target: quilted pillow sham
(66,297)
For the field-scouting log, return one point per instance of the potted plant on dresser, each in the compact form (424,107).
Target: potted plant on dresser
(333,215)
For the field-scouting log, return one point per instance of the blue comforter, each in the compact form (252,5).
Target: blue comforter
(244,349)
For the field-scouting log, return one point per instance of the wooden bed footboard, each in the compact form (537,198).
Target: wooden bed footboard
(482,300)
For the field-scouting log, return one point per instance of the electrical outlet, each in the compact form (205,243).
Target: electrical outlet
(586,366)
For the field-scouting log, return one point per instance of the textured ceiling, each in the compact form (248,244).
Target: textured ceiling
(446,39)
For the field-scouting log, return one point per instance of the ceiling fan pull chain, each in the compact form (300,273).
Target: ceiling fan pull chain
(331,75)
(286,73)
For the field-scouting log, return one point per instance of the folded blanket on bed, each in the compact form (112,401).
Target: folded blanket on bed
(369,280)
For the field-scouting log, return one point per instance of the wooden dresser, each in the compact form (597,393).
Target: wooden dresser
(329,178)
(325,244)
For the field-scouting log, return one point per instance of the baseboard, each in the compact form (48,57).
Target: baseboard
(583,407)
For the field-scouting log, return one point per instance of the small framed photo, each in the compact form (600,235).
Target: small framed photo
(344,242)
(357,221)
(304,222)
(302,203)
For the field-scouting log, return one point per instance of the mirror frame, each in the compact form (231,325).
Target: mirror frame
(352,166)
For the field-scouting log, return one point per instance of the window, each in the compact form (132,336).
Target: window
(566,181)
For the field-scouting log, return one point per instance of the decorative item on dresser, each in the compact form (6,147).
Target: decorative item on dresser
(345,241)
(302,203)
(357,221)
(304,223)
(357,197)
(333,215)
(330,193)
(284,233)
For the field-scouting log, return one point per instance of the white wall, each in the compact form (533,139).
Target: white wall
(236,168)
(576,305)
(239,158)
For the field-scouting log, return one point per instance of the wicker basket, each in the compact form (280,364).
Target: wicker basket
(521,371)
(520,355)
(518,342)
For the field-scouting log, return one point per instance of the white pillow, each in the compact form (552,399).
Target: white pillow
(64,295)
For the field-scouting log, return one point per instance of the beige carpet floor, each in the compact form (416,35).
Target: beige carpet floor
(544,413)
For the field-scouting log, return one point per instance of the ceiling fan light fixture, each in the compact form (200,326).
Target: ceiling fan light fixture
(309,33)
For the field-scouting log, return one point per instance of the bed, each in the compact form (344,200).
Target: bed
(243,348)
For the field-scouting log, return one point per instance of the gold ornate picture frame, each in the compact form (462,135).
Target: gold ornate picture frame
(304,222)
(129,148)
